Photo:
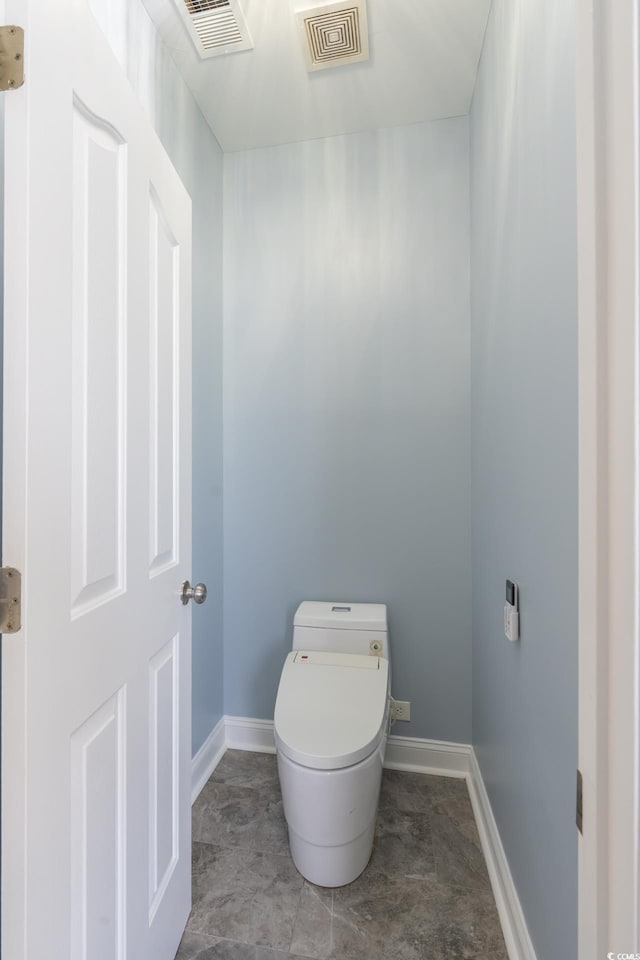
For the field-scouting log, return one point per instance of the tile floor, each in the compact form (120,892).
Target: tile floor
(425,894)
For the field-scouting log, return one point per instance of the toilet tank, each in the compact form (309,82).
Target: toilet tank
(342,628)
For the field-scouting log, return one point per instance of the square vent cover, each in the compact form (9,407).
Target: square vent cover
(215,26)
(334,34)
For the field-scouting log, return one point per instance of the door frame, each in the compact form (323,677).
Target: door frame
(608,167)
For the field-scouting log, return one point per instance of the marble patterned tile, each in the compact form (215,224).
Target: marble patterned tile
(244,895)
(272,835)
(376,918)
(447,796)
(459,860)
(227,815)
(313,930)
(415,920)
(417,792)
(196,947)
(465,925)
(449,942)
(193,946)
(243,768)
(402,846)
(460,812)
(425,894)
(265,953)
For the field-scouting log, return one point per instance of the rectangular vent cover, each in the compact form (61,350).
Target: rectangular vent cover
(334,34)
(216,26)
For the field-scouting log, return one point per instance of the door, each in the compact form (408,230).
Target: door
(96,501)
(608,173)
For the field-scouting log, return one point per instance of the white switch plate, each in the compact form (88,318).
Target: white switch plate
(401,710)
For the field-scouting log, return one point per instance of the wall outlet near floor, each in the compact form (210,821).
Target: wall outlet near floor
(402,710)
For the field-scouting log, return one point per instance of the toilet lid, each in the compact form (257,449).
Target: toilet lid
(330,708)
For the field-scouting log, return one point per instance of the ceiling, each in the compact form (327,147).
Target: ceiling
(423,61)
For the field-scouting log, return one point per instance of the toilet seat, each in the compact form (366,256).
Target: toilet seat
(331,707)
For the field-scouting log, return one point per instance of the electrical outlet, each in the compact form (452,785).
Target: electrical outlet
(401,710)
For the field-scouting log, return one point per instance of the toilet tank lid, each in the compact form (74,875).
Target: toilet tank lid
(341,615)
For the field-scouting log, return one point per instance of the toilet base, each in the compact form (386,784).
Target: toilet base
(332,866)
(331,816)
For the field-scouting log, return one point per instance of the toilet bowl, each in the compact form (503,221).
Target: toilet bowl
(331,724)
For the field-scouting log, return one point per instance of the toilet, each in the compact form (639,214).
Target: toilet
(331,724)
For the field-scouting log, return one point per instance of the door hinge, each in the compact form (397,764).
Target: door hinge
(11,57)
(579,801)
(10,600)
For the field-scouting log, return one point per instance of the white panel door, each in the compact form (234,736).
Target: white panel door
(97,510)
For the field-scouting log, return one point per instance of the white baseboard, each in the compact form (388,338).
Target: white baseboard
(245,733)
(230,733)
(403,753)
(207,759)
(514,926)
(427,756)
(412,755)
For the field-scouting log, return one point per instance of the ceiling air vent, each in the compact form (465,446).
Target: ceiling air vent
(216,26)
(334,34)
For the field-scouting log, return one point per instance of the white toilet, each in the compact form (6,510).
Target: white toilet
(331,724)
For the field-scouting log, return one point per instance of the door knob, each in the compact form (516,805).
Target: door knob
(198,593)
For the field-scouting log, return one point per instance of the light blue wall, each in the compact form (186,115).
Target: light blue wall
(346,406)
(524,459)
(197,157)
